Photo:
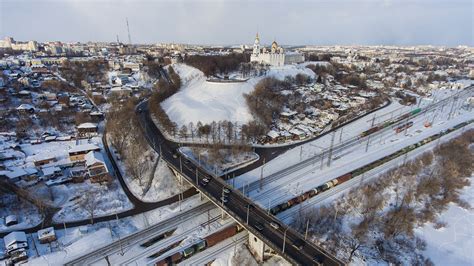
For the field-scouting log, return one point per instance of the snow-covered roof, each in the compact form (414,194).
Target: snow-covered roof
(45,233)
(25,106)
(273,134)
(11,218)
(16,172)
(87,125)
(50,170)
(93,157)
(84,147)
(14,237)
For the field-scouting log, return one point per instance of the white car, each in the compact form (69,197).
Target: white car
(275,225)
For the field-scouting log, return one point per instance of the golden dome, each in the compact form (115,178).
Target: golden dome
(274,45)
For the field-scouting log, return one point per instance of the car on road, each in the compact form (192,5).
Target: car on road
(259,226)
(276,226)
(224,199)
(175,154)
(226,190)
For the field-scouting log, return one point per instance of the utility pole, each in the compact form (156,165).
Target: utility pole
(367,145)
(268,209)
(330,148)
(128,30)
(301,153)
(233,180)
(452,107)
(340,135)
(248,210)
(118,233)
(322,160)
(197,178)
(373,121)
(284,241)
(208,219)
(306,231)
(261,174)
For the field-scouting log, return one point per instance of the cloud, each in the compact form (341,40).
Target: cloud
(403,22)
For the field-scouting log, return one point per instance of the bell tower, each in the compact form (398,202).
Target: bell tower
(256,45)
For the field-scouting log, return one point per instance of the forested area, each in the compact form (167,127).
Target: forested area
(90,71)
(217,64)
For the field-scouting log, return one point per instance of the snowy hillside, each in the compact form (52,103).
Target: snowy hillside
(200,100)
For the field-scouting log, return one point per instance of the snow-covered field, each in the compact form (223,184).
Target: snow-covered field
(453,244)
(199,100)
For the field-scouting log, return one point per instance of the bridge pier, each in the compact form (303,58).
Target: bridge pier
(257,247)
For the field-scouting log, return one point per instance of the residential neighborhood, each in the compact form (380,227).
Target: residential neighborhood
(236,133)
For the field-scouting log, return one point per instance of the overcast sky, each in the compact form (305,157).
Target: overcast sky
(297,22)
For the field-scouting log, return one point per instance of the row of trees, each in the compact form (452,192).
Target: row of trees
(389,209)
(217,64)
(222,132)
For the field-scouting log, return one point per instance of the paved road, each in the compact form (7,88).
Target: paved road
(239,207)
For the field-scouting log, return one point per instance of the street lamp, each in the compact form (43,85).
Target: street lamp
(284,240)
(197,178)
(248,209)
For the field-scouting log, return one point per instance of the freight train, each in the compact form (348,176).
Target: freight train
(337,181)
(389,123)
(202,244)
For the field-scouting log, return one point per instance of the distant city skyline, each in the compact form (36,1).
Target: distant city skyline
(221,22)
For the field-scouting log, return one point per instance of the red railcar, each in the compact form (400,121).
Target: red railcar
(344,178)
(217,237)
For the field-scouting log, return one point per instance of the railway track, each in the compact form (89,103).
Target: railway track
(348,143)
(140,236)
(210,254)
(292,212)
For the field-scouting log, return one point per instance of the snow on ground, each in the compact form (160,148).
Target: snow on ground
(27,214)
(199,100)
(237,255)
(349,131)
(78,241)
(310,175)
(227,161)
(453,244)
(164,184)
(110,199)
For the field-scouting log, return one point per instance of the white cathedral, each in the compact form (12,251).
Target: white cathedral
(275,57)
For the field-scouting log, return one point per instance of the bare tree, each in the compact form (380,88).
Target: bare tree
(90,202)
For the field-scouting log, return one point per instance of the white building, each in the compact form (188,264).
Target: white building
(275,57)
(9,42)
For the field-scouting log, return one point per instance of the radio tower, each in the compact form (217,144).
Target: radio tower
(128,30)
